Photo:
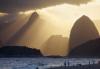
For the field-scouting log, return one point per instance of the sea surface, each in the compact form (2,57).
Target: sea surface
(43,63)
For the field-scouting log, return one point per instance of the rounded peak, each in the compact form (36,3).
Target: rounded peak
(84,17)
(82,31)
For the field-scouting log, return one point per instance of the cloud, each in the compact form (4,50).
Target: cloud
(21,5)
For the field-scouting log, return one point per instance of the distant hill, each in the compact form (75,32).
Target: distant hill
(88,49)
(55,46)
(19,51)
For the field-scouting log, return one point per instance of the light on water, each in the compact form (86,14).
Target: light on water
(33,63)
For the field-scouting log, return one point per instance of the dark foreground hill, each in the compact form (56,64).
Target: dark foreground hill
(88,49)
(19,51)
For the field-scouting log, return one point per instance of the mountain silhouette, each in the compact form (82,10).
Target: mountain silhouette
(55,46)
(88,49)
(19,51)
(82,31)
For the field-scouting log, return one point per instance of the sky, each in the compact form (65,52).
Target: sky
(67,14)
(58,20)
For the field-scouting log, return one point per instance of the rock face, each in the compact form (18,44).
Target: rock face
(88,49)
(83,30)
(19,51)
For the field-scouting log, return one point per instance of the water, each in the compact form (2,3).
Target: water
(42,63)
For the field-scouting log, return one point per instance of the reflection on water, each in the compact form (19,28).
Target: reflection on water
(32,63)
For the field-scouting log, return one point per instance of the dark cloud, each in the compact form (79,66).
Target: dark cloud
(21,5)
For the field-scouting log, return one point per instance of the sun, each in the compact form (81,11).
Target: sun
(97,1)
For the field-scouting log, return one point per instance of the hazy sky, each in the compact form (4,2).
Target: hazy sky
(66,14)
(58,20)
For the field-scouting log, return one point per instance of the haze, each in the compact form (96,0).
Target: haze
(56,20)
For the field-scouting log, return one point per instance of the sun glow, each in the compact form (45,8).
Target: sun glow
(97,0)
(3,14)
(27,12)
(54,21)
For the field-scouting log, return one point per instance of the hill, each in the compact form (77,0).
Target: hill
(19,51)
(88,49)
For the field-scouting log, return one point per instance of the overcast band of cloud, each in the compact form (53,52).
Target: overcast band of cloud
(17,5)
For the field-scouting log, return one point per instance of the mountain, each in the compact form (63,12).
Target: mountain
(19,51)
(88,49)
(55,46)
(82,31)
